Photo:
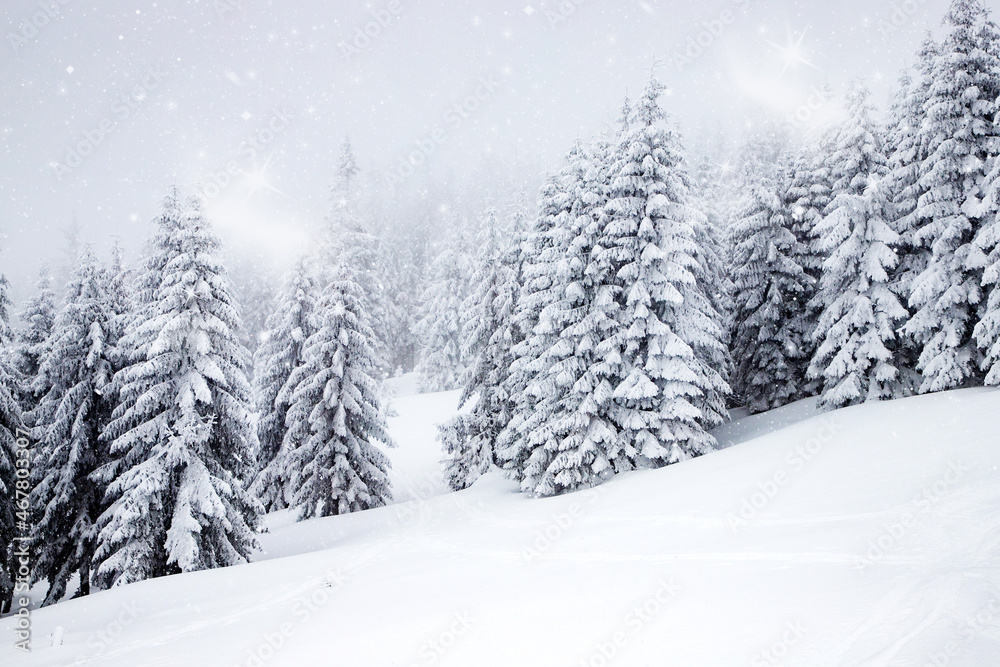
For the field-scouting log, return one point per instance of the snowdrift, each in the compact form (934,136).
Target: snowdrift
(867,536)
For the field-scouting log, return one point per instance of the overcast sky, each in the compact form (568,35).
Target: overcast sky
(107,104)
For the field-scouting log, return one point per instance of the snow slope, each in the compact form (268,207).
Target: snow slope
(869,536)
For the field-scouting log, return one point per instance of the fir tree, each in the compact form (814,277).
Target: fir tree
(543,248)
(181,437)
(280,353)
(38,317)
(469,439)
(647,255)
(856,331)
(72,383)
(442,364)
(961,139)
(337,412)
(769,349)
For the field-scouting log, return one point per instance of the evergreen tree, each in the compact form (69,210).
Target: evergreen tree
(648,257)
(442,364)
(575,414)
(337,411)
(280,353)
(73,408)
(469,439)
(181,437)
(769,349)
(961,138)
(38,317)
(543,248)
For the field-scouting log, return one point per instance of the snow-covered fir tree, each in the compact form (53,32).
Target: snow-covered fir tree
(279,354)
(351,240)
(37,316)
(769,350)
(337,411)
(544,248)
(441,364)
(74,406)
(571,423)
(10,422)
(182,437)
(856,332)
(648,256)
(806,193)
(961,139)
(469,440)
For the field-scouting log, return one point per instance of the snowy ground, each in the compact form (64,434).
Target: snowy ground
(869,536)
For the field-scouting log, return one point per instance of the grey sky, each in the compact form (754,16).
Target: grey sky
(190,91)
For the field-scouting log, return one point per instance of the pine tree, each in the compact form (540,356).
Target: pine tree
(648,256)
(280,353)
(351,240)
(72,382)
(337,411)
(961,139)
(469,440)
(442,364)
(575,413)
(543,248)
(182,435)
(10,423)
(769,288)
(38,317)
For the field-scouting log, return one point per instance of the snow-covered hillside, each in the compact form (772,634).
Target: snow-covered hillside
(867,536)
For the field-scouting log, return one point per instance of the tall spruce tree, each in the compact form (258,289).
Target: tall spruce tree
(338,411)
(860,313)
(38,317)
(74,407)
(280,353)
(769,350)
(181,437)
(469,439)
(441,363)
(543,248)
(961,139)
(647,252)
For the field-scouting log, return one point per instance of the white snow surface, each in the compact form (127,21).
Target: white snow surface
(869,536)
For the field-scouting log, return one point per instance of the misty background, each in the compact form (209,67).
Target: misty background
(250,101)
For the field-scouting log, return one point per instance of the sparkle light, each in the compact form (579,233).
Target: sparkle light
(792,52)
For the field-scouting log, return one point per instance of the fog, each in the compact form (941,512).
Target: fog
(105,105)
